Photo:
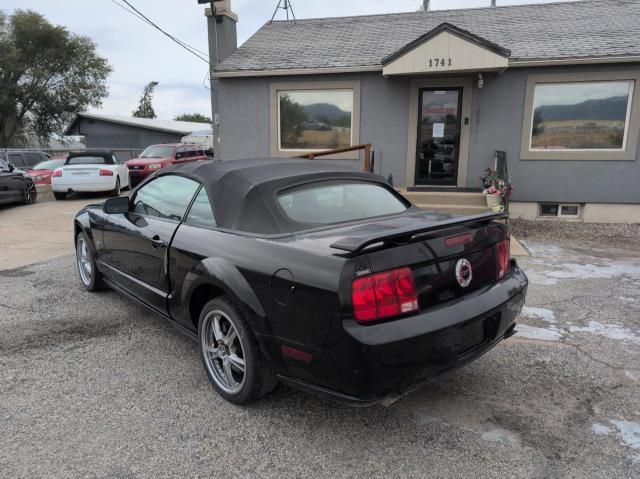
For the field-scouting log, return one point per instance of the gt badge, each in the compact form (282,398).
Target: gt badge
(464,272)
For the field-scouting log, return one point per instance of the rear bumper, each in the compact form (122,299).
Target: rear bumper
(389,359)
(108,185)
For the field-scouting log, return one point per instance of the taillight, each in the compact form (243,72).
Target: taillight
(384,295)
(57,173)
(503,258)
(105,172)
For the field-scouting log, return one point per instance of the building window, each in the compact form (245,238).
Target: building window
(581,115)
(314,116)
(555,210)
(590,118)
(315,119)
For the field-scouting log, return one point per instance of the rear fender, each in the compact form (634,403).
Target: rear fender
(224,276)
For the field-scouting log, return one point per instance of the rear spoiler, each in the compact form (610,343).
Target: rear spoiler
(354,244)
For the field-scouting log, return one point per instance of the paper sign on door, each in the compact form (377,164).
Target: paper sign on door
(438,130)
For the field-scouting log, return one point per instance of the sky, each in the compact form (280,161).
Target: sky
(140,54)
(573,94)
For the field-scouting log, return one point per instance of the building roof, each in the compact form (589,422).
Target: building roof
(574,30)
(170,126)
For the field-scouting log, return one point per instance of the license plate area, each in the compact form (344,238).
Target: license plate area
(464,338)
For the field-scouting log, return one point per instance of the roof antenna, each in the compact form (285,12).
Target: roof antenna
(286,7)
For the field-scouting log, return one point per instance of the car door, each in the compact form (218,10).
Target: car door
(15,180)
(135,244)
(6,195)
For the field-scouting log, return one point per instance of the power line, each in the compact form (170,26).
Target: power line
(147,20)
(142,17)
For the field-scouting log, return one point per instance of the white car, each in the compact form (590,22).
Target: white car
(90,171)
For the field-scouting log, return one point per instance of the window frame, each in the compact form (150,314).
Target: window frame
(632,125)
(185,218)
(159,218)
(559,214)
(276,88)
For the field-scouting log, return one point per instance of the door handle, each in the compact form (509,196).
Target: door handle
(156,242)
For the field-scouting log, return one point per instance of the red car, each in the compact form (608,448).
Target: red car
(41,173)
(156,157)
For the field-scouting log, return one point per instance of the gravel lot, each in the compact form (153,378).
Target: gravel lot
(93,385)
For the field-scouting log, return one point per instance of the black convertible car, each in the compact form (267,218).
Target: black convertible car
(306,273)
(16,186)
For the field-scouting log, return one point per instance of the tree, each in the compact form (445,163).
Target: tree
(47,75)
(292,117)
(145,107)
(193,117)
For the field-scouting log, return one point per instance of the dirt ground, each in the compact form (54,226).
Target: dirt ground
(93,385)
(619,236)
(44,230)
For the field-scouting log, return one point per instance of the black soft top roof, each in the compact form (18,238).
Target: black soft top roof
(243,192)
(92,152)
(104,153)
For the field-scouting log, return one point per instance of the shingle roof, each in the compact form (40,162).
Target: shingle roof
(551,31)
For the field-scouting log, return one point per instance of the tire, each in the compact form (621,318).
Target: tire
(59,196)
(116,191)
(90,277)
(223,361)
(30,194)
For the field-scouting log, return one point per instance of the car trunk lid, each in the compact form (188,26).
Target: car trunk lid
(82,170)
(449,256)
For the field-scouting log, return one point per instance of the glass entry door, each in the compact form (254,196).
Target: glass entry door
(439,128)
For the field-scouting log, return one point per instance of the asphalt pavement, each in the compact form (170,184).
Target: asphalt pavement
(93,385)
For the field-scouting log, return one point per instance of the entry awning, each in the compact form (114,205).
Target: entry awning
(446,49)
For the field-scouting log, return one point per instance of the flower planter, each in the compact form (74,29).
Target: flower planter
(494,201)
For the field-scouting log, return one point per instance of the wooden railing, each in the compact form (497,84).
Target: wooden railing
(366,147)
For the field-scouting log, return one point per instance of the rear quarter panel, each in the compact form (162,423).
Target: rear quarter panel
(296,305)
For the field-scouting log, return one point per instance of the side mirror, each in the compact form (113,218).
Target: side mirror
(114,206)
(11,167)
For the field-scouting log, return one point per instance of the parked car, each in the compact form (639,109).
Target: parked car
(156,157)
(90,171)
(306,273)
(42,172)
(202,139)
(23,158)
(16,186)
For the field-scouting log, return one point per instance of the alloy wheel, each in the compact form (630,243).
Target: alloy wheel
(223,352)
(30,193)
(83,258)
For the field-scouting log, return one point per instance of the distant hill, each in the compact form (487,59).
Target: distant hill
(614,108)
(319,111)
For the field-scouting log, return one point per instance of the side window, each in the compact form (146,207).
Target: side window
(16,160)
(166,197)
(32,159)
(191,151)
(201,213)
(180,153)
